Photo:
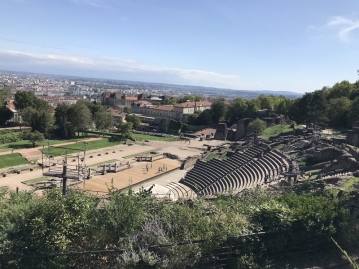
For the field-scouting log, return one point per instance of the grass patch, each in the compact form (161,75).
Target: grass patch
(4,189)
(293,155)
(24,144)
(279,146)
(75,148)
(145,153)
(34,180)
(212,156)
(347,185)
(151,137)
(13,159)
(102,163)
(276,130)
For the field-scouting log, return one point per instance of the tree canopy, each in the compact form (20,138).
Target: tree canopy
(33,137)
(257,126)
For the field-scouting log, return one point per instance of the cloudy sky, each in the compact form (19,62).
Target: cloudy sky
(287,45)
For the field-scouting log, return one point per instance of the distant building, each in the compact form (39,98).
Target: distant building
(117,99)
(176,112)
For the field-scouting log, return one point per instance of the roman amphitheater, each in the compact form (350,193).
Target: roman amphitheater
(196,167)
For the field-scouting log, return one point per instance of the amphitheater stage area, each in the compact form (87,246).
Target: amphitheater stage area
(134,175)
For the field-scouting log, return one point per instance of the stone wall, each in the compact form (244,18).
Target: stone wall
(189,162)
(221,132)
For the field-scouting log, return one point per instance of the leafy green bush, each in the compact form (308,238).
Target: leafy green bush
(9,137)
(53,223)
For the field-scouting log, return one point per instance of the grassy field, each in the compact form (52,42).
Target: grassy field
(30,181)
(145,153)
(23,144)
(9,160)
(151,137)
(347,185)
(75,148)
(276,130)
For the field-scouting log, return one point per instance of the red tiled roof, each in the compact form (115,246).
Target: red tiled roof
(193,104)
(131,98)
(166,108)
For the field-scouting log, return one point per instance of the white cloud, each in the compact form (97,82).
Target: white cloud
(121,66)
(343,27)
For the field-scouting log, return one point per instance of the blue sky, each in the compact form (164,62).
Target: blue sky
(287,45)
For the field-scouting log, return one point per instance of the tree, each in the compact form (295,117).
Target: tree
(205,118)
(28,99)
(342,89)
(38,120)
(127,110)
(103,121)
(135,120)
(265,102)
(252,106)
(337,113)
(193,118)
(353,114)
(125,129)
(80,117)
(236,110)
(257,126)
(4,95)
(283,106)
(218,109)
(173,101)
(65,128)
(316,106)
(5,115)
(33,137)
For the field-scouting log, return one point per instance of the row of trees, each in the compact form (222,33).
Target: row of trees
(336,106)
(66,120)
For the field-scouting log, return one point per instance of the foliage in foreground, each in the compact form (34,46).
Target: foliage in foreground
(32,225)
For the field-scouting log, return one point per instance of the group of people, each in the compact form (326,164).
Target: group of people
(148,167)
(160,169)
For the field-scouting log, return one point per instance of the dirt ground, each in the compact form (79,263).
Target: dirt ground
(181,149)
(127,177)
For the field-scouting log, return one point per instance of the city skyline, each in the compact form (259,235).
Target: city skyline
(268,45)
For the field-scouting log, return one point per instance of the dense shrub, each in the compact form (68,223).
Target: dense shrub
(32,225)
(8,137)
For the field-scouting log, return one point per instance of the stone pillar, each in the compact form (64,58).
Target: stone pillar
(89,174)
(104,170)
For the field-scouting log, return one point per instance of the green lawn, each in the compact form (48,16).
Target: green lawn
(151,137)
(13,159)
(276,130)
(30,181)
(212,156)
(75,148)
(23,144)
(279,146)
(347,185)
(145,153)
